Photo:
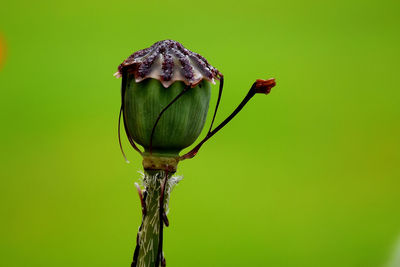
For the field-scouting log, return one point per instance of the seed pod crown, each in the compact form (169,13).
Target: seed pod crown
(169,61)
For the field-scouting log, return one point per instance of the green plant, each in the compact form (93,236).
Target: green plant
(165,96)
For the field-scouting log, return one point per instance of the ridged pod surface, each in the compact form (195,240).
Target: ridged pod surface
(181,123)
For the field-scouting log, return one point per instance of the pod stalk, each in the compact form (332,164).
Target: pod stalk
(154,199)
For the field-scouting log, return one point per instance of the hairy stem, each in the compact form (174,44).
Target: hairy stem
(154,198)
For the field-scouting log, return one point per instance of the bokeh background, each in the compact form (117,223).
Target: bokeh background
(306,176)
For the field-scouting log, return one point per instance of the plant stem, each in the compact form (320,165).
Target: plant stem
(154,198)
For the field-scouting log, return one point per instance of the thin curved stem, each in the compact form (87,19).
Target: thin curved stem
(258,87)
(122,114)
(185,89)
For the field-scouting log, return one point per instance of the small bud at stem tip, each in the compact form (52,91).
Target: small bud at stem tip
(264,86)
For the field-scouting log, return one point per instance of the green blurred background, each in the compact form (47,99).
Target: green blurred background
(306,176)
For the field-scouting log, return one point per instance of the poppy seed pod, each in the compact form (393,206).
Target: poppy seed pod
(165,98)
(165,95)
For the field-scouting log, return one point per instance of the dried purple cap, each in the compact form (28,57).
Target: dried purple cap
(169,61)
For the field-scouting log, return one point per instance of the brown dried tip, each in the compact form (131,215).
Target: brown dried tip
(169,61)
(264,86)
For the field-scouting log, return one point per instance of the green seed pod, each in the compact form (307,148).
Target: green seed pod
(165,95)
(165,98)
(179,126)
